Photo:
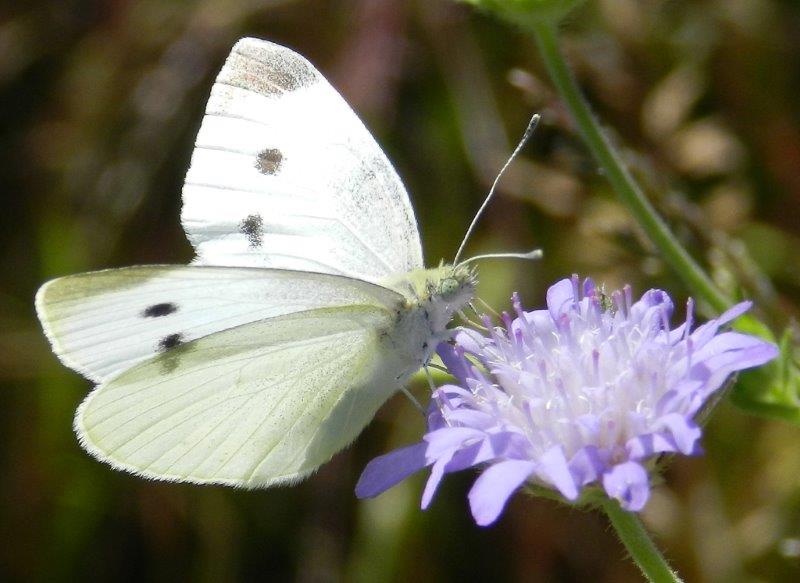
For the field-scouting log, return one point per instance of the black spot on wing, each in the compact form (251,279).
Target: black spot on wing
(252,227)
(172,348)
(170,341)
(159,310)
(269,161)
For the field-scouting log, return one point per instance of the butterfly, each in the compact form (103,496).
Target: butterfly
(307,305)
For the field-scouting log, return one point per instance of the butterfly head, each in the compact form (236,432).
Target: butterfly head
(454,285)
(447,289)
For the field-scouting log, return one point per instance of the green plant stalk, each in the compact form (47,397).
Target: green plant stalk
(631,195)
(637,541)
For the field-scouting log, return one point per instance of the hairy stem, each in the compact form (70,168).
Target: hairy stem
(637,541)
(625,186)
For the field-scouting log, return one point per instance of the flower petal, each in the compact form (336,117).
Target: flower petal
(732,313)
(708,330)
(494,487)
(470,340)
(736,351)
(472,418)
(629,484)
(441,441)
(437,473)
(455,363)
(587,465)
(684,431)
(387,470)
(554,469)
(650,444)
(560,298)
(651,304)
(537,322)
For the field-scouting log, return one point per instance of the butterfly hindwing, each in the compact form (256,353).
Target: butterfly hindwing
(260,404)
(285,175)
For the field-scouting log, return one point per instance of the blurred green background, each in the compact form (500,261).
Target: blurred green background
(99,103)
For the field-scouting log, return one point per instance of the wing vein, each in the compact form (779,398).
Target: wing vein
(209,366)
(276,442)
(257,429)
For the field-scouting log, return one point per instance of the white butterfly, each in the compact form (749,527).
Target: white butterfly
(306,308)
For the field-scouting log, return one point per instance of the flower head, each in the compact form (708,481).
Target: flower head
(578,395)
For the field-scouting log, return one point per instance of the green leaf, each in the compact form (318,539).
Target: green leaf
(772,390)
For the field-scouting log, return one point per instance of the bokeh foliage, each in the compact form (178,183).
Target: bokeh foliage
(99,102)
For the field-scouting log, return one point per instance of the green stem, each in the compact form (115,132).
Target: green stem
(608,158)
(643,551)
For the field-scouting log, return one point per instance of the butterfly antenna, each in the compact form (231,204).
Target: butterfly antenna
(533,254)
(525,137)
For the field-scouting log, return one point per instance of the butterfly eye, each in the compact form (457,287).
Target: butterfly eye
(449,286)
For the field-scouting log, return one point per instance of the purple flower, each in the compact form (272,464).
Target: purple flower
(578,395)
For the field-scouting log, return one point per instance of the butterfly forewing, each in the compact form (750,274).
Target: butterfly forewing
(285,175)
(103,322)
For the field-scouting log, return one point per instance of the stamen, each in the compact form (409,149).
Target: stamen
(619,304)
(527,410)
(506,319)
(576,288)
(530,335)
(596,366)
(664,313)
(519,339)
(488,323)
(689,317)
(628,299)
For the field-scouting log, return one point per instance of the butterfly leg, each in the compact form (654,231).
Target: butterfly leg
(471,322)
(412,398)
(429,376)
(486,305)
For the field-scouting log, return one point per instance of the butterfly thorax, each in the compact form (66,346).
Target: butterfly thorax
(432,297)
(446,287)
